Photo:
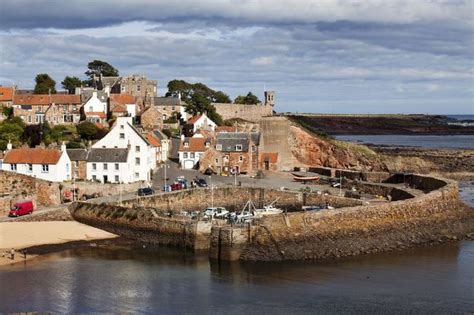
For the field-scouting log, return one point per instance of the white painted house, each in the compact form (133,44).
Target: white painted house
(191,149)
(202,122)
(124,136)
(110,165)
(48,164)
(95,109)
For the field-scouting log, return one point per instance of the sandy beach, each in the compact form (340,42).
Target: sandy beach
(19,235)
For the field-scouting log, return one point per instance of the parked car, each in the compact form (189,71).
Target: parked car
(200,182)
(21,208)
(216,212)
(146,191)
(244,216)
(208,171)
(89,196)
(166,188)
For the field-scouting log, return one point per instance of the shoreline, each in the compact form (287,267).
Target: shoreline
(37,237)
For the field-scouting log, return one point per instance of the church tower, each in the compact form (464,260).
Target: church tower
(270,98)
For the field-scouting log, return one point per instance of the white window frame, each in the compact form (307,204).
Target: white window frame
(44,168)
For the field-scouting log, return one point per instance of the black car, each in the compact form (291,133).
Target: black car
(200,182)
(146,191)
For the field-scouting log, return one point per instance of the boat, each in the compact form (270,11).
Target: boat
(267,210)
(305,178)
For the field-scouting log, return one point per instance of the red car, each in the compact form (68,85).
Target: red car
(21,208)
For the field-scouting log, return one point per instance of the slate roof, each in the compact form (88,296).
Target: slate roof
(229,140)
(110,81)
(86,94)
(107,155)
(32,156)
(167,101)
(77,154)
(160,135)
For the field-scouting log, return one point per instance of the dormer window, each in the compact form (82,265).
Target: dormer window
(186,144)
(238,147)
(218,147)
(207,144)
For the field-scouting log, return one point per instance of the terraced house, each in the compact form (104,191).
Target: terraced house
(48,164)
(55,109)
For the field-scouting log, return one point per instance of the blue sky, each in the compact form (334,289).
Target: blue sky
(331,56)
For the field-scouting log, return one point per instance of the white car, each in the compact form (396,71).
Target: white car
(244,216)
(215,212)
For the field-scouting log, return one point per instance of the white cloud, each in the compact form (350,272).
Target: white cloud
(262,61)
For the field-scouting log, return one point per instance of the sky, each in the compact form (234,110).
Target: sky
(325,56)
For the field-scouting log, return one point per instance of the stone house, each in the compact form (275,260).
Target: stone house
(64,109)
(169,106)
(150,118)
(31,108)
(78,159)
(163,144)
(139,86)
(124,135)
(191,149)
(6,96)
(236,152)
(48,164)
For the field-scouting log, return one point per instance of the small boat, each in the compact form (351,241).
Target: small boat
(267,210)
(306,178)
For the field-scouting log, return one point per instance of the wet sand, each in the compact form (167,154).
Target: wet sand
(21,235)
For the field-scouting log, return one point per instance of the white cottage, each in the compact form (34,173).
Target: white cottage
(124,136)
(95,109)
(191,149)
(202,122)
(110,166)
(48,164)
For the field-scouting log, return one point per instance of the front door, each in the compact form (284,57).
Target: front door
(267,165)
(106,179)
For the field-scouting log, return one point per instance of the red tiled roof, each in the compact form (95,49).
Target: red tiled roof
(98,114)
(194,119)
(123,99)
(270,157)
(154,141)
(65,99)
(6,94)
(195,145)
(119,109)
(31,99)
(32,156)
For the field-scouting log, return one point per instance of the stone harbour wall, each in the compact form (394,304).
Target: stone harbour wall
(251,113)
(434,217)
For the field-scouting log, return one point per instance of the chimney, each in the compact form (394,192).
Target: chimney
(63,147)
(129,146)
(182,137)
(179,96)
(9,145)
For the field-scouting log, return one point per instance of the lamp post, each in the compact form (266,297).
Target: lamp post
(165,179)
(212,191)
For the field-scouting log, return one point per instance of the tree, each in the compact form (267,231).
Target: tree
(44,84)
(186,90)
(199,104)
(11,130)
(99,67)
(87,130)
(249,99)
(32,135)
(71,83)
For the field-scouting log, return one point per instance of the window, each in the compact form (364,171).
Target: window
(117,178)
(121,127)
(136,175)
(238,147)
(137,148)
(116,166)
(186,144)
(137,161)
(138,88)
(191,155)
(105,166)
(219,147)
(91,109)
(185,155)
(76,163)
(30,168)
(94,178)
(45,168)
(226,158)
(207,144)
(217,160)
(241,158)
(67,167)
(13,167)
(94,166)
(122,136)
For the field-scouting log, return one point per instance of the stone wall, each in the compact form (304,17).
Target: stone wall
(18,187)
(251,113)
(433,217)
(144,225)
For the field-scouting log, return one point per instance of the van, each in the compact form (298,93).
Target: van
(21,208)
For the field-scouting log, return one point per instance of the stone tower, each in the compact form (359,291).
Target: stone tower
(270,98)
